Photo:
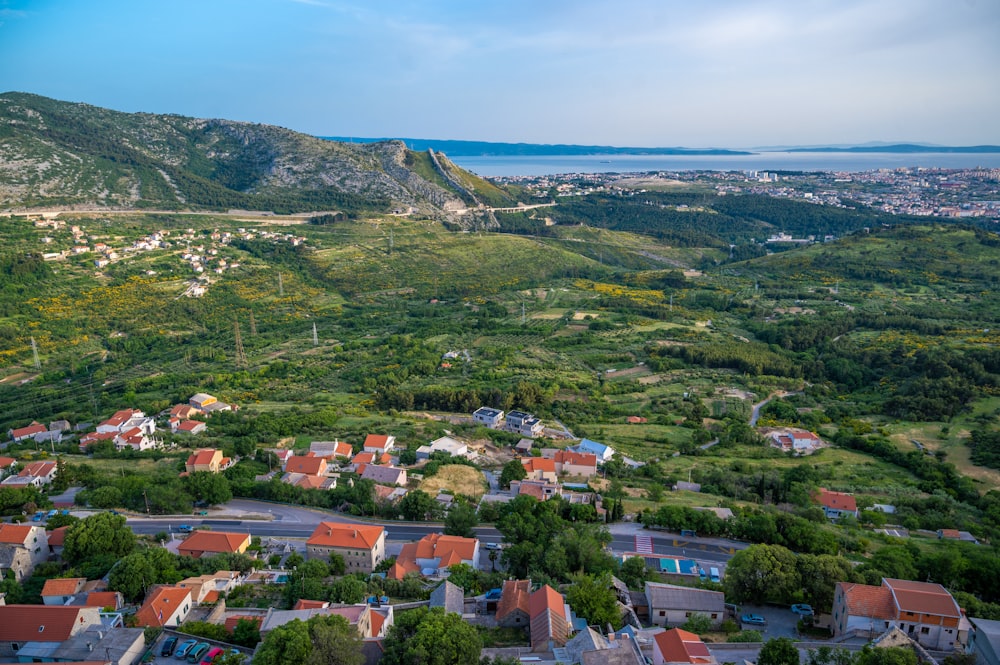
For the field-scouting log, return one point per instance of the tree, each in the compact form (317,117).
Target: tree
(212,488)
(431,637)
(760,572)
(778,651)
(460,520)
(132,576)
(594,599)
(334,642)
(886,656)
(634,572)
(101,534)
(337,564)
(819,574)
(288,644)
(698,623)
(512,470)
(417,505)
(246,633)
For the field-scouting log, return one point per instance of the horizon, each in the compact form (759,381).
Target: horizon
(736,75)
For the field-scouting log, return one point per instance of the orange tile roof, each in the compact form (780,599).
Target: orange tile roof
(58,536)
(190,426)
(865,600)
(102,599)
(516,595)
(680,646)
(6,462)
(37,469)
(231,621)
(210,597)
(576,459)
(547,598)
(306,604)
(950,533)
(836,500)
(363,458)
(451,550)
(343,449)
(30,430)
(307,464)
(355,536)
(378,620)
(63,586)
(401,569)
(163,600)
(532,464)
(38,623)
(203,456)
(212,542)
(376,440)
(13,534)
(922,597)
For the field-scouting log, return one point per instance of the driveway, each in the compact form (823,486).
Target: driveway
(781,621)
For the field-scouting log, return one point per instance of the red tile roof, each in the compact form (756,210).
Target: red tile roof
(37,469)
(202,457)
(451,550)
(190,426)
(58,536)
(231,621)
(576,459)
(680,646)
(160,605)
(532,464)
(355,536)
(363,458)
(516,595)
(63,586)
(38,623)
(306,604)
(865,600)
(308,464)
(377,440)
(30,430)
(103,599)
(547,598)
(922,597)
(6,462)
(836,500)
(14,534)
(949,533)
(212,542)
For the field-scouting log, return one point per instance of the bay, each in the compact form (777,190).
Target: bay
(486,165)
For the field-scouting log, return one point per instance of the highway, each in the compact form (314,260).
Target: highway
(259,518)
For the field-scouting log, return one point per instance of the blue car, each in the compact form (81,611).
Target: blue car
(753,619)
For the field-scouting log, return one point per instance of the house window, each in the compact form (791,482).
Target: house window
(687,615)
(14,646)
(663,613)
(924,630)
(715,616)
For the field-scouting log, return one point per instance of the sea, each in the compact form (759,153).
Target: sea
(539,165)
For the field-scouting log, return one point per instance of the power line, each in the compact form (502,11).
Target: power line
(241,355)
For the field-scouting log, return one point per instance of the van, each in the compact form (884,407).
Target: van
(713,574)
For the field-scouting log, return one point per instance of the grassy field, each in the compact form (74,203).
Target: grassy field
(457,479)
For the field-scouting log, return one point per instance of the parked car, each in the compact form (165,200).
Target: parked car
(37,517)
(803,609)
(493,546)
(713,574)
(198,651)
(184,648)
(185,528)
(754,619)
(52,513)
(168,646)
(210,656)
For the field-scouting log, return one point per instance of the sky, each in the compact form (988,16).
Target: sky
(653,73)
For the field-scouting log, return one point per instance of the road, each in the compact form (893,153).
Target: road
(260,518)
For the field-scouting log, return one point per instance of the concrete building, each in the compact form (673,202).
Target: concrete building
(361,546)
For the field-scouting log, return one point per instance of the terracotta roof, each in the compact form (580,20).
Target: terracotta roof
(212,542)
(451,550)
(355,536)
(203,456)
(377,440)
(307,464)
(190,426)
(532,464)
(680,646)
(378,620)
(30,430)
(531,489)
(119,418)
(402,567)
(58,536)
(63,586)
(102,599)
(343,449)
(836,500)
(6,462)
(865,600)
(163,600)
(363,458)
(306,604)
(516,595)
(231,621)
(923,597)
(14,534)
(38,623)
(576,459)
(949,533)
(547,598)
(210,597)
(37,469)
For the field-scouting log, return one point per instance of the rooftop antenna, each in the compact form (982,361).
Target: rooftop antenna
(241,355)
(34,353)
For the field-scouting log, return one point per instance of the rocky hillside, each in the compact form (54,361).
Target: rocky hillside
(63,154)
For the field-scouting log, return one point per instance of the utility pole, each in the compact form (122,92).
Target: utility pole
(315,335)
(253,325)
(281,287)
(241,356)
(146,499)
(671,302)
(34,353)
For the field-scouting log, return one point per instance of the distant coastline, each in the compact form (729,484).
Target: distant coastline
(489,149)
(907,148)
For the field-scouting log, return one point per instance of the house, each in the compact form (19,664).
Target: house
(385,475)
(379,443)
(164,606)
(542,490)
(984,641)
(433,554)
(836,504)
(539,468)
(604,453)
(331,449)
(207,589)
(492,418)
(524,446)
(362,546)
(685,486)
(955,534)
(183,412)
(127,419)
(576,464)
(445,444)
(56,539)
(106,600)
(62,590)
(549,625)
(523,423)
(636,420)
(924,611)
(308,482)
(24,433)
(513,610)
(135,438)
(308,464)
(206,459)
(214,542)
(24,626)
(679,646)
(21,549)
(187,427)
(7,466)
(673,605)
(450,597)
(91,438)
(201,400)
(44,471)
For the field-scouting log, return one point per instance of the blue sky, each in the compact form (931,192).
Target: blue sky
(735,73)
